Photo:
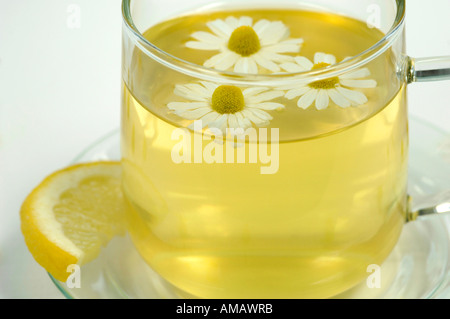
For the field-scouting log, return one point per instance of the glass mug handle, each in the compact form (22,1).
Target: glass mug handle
(427,70)
(442,208)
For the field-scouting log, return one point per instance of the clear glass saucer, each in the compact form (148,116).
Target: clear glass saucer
(418,268)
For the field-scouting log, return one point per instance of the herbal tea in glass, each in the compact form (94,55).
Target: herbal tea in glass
(313,193)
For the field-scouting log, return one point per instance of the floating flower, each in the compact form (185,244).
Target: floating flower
(244,46)
(225,106)
(339,89)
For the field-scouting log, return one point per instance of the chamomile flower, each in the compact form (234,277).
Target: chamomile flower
(340,89)
(244,46)
(225,106)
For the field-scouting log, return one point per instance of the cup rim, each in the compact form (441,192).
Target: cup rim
(213,75)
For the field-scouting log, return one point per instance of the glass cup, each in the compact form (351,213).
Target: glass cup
(294,181)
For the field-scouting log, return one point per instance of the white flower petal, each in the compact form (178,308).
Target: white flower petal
(322,100)
(233,121)
(360,73)
(243,121)
(307,99)
(338,98)
(305,63)
(207,37)
(220,123)
(261,26)
(245,21)
(220,28)
(359,83)
(198,90)
(188,93)
(265,63)
(358,98)
(320,57)
(297,92)
(248,113)
(210,117)
(253,91)
(292,67)
(275,57)
(222,61)
(232,22)
(266,96)
(274,33)
(228,61)
(193,114)
(210,86)
(288,46)
(330,59)
(268,106)
(202,46)
(246,65)
(261,114)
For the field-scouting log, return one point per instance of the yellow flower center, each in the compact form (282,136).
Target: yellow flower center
(244,41)
(323,84)
(227,99)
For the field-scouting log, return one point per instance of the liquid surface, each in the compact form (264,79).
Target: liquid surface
(333,206)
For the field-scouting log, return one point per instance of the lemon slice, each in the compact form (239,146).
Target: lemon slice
(72,214)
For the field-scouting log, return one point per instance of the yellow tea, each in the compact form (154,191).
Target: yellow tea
(335,199)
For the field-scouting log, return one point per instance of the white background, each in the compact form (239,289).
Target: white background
(60,91)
